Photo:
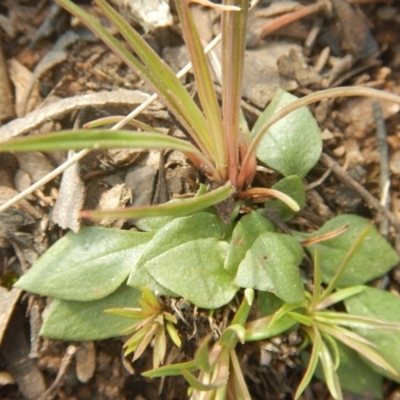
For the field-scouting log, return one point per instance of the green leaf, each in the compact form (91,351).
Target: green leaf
(171,370)
(246,231)
(152,224)
(260,328)
(174,233)
(86,266)
(176,208)
(99,139)
(151,68)
(328,367)
(268,302)
(293,187)
(292,145)
(373,258)
(205,85)
(316,340)
(271,264)
(77,320)
(354,375)
(195,271)
(382,305)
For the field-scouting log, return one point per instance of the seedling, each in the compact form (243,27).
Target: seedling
(217,253)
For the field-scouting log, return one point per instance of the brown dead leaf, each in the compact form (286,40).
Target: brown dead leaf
(71,197)
(35,164)
(262,79)
(116,197)
(85,361)
(21,78)
(8,300)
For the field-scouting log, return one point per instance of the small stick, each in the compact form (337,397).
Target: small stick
(341,174)
(287,19)
(65,363)
(383,148)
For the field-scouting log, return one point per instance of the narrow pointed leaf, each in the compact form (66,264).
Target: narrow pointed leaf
(233,25)
(339,295)
(363,347)
(150,67)
(132,313)
(176,208)
(173,334)
(355,321)
(202,358)
(312,364)
(199,385)
(103,139)
(260,329)
(205,85)
(328,367)
(171,370)
(354,375)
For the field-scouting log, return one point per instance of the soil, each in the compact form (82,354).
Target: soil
(45,57)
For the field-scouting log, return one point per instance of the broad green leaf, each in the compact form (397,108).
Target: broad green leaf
(174,233)
(354,375)
(152,224)
(178,231)
(246,231)
(374,257)
(293,187)
(272,264)
(139,277)
(292,145)
(195,270)
(379,304)
(78,320)
(86,266)
(268,302)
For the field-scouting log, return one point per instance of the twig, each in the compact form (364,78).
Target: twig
(363,193)
(65,362)
(383,148)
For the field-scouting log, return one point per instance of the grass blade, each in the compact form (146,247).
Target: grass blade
(176,208)
(205,86)
(233,47)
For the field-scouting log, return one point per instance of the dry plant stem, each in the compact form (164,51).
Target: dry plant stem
(78,156)
(289,18)
(383,148)
(65,363)
(364,194)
